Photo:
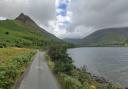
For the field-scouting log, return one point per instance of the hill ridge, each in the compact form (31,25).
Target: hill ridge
(24,32)
(116,36)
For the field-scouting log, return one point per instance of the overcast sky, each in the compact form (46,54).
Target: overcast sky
(69,18)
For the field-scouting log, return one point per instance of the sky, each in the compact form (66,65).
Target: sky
(69,18)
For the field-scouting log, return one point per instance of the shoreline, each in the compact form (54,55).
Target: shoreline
(80,61)
(74,77)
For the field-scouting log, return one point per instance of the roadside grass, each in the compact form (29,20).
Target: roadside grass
(71,77)
(13,62)
(49,62)
(17,34)
(7,53)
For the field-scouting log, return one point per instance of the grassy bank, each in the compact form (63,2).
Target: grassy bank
(71,77)
(13,62)
(15,33)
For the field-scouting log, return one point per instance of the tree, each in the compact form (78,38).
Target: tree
(7,33)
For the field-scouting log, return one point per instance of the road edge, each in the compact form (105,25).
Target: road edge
(19,80)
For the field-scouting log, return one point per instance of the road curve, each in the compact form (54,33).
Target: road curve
(39,75)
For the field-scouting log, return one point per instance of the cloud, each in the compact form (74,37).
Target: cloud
(62,18)
(79,32)
(69,18)
(40,10)
(2,18)
(62,11)
(98,14)
(95,14)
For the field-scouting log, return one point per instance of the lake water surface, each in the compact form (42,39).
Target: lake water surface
(111,63)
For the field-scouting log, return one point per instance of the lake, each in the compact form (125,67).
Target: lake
(108,62)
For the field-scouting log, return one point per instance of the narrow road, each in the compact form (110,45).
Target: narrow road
(39,75)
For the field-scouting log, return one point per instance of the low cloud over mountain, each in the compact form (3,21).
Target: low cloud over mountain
(85,16)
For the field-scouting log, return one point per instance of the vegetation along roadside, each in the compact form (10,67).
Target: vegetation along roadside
(71,77)
(13,62)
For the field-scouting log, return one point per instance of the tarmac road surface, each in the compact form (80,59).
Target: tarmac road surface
(39,75)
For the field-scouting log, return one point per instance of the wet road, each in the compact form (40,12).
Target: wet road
(39,75)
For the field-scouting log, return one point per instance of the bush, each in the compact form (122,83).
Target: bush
(12,69)
(63,63)
(71,77)
(68,82)
(86,85)
(7,33)
(3,44)
(63,67)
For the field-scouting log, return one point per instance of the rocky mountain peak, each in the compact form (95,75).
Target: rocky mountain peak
(24,18)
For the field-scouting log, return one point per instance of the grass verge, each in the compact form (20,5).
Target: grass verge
(13,63)
(71,77)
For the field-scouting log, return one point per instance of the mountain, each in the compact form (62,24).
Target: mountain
(26,20)
(105,37)
(72,41)
(24,32)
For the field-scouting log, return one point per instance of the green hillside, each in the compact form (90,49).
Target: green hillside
(104,37)
(24,32)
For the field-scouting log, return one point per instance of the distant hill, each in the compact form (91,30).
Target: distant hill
(24,32)
(73,41)
(104,37)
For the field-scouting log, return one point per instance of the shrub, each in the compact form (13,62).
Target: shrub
(13,68)
(63,63)
(71,77)
(7,33)
(63,67)
(68,82)
(86,85)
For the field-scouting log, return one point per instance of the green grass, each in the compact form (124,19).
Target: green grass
(71,77)
(50,63)
(7,53)
(111,37)
(13,63)
(17,34)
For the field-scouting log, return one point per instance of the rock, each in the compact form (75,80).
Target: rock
(101,80)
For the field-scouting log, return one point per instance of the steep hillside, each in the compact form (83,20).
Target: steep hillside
(72,41)
(105,37)
(24,32)
(26,20)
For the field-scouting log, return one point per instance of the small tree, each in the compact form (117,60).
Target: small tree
(7,33)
